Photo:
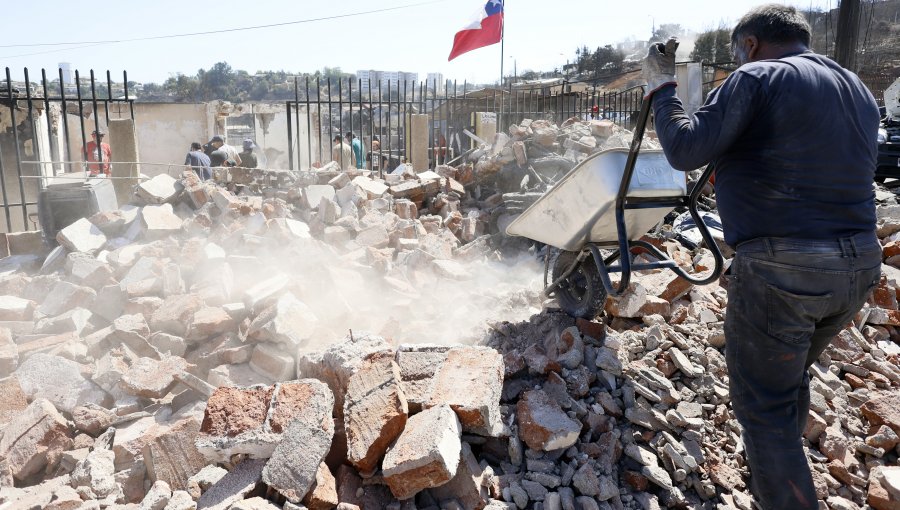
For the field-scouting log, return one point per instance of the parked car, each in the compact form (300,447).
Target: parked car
(889,136)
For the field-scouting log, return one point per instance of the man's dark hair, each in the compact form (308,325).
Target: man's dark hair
(773,23)
(337,138)
(349,135)
(195,146)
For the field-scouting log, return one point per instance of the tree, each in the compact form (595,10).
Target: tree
(713,46)
(666,30)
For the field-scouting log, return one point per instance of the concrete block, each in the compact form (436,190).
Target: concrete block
(233,487)
(63,297)
(34,439)
(160,221)
(12,400)
(542,423)
(375,411)
(418,367)
(272,361)
(58,380)
(372,188)
(468,486)
(251,421)
(150,378)
(14,308)
(425,455)
(288,322)
(158,190)
(171,456)
(209,321)
(323,493)
(479,370)
(314,194)
(81,236)
(308,428)
(175,314)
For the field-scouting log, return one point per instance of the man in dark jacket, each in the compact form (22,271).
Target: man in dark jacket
(792,137)
(198,161)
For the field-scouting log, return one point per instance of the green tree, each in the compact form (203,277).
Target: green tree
(713,46)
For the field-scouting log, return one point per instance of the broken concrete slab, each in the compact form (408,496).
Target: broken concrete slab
(542,423)
(234,486)
(288,322)
(160,220)
(34,440)
(159,189)
(13,308)
(307,432)
(82,235)
(150,378)
(273,362)
(171,455)
(250,421)
(425,455)
(60,381)
(479,370)
(375,411)
(323,493)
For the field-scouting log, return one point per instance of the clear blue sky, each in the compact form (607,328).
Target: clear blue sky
(540,34)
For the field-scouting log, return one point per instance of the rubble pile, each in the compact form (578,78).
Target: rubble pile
(202,349)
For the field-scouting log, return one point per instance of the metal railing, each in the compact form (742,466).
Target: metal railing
(323,109)
(34,135)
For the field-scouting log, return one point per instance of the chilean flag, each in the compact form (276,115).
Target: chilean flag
(485,29)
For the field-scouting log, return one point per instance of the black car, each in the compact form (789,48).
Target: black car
(888,148)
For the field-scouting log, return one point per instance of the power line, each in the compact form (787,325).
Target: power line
(210,32)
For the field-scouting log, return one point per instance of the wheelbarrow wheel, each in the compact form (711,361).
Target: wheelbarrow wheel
(581,294)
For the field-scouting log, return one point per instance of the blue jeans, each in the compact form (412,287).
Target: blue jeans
(787,299)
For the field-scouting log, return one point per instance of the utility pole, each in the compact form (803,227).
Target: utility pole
(847,37)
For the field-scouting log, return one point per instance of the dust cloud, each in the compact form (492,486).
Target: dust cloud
(406,301)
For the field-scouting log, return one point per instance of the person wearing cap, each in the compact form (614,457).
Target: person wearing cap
(791,136)
(248,159)
(218,144)
(342,154)
(97,154)
(359,159)
(198,161)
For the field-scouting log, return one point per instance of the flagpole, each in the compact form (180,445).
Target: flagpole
(502,58)
(502,37)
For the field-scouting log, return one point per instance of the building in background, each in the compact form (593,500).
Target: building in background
(394,78)
(68,76)
(436,82)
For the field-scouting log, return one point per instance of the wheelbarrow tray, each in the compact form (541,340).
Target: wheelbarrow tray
(580,209)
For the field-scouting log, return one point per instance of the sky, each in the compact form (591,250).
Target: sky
(539,34)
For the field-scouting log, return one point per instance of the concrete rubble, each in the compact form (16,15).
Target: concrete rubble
(199,348)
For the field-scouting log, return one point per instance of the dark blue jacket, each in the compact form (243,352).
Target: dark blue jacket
(794,145)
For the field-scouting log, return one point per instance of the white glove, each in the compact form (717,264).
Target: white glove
(659,68)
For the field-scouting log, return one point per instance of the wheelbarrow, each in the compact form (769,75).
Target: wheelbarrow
(608,202)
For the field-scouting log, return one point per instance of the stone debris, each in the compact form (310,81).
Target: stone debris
(191,350)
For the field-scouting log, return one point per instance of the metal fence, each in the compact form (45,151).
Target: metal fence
(34,143)
(324,109)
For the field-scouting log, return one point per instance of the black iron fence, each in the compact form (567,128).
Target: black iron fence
(45,127)
(380,112)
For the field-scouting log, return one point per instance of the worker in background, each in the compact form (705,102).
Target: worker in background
(342,154)
(98,154)
(218,143)
(374,156)
(359,159)
(791,135)
(198,161)
(248,158)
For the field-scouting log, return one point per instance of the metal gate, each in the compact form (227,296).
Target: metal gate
(323,109)
(44,129)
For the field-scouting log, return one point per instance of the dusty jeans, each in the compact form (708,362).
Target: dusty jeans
(787,299)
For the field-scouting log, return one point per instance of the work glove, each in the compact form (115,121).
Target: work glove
(659,67)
